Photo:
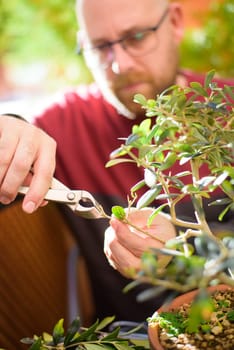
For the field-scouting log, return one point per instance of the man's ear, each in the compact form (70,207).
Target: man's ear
(177,20)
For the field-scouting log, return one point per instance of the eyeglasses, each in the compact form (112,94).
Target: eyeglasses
(135,44)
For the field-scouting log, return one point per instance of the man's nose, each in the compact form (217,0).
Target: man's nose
(122,60)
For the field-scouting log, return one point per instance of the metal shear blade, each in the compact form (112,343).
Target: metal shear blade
(80,201)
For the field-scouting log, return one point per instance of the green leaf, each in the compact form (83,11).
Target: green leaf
(87,333)
(92,346)
(185,159)
(221,201)
(209,77)
(144,126)
(155,213)
(176,182)
(131,285)
(132,139)
(118,212)
(58,331)
(224,212)
(72,330)
(139,98)
(150,293)
(37,345)
(122,346)
(119,152)
(205,181)
(138,186)
(113,162)
(229,90)
(149,263)
(183,173)
(105,322)
(113,335)
(197,87)
(150,178)
(148,197)
(152,133)
(168,161)
(181,101)
(27,340)
(220,179)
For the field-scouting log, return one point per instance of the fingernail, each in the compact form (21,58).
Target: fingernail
(29,207)
(4,200)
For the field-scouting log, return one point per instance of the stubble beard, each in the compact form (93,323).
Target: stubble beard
(114,93)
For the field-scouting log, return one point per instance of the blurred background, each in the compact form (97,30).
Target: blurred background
(38,46)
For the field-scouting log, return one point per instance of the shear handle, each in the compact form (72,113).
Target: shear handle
(63,196)
(80,201)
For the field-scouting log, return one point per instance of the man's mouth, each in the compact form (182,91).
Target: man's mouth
(132,87)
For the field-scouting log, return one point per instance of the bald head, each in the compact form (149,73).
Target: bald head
(81,3)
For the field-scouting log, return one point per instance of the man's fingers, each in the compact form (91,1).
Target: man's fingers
(18,168)
(118,256)
(131,240)
(43,170)
(23,147)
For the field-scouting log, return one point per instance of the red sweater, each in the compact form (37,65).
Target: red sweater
(87,128)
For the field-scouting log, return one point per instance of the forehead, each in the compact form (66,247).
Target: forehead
(107,18)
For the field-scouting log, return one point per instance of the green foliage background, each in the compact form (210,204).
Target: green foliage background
(41,30)
(212,46)
(32,30)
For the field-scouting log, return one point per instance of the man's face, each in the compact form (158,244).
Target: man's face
(150,69)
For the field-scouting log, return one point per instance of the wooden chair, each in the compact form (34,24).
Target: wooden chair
(42,275)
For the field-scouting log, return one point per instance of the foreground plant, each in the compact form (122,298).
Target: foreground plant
(192,127)
(77,337)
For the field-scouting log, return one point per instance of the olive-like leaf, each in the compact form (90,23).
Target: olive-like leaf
(58,331)
(208,79)
(118,212)
(105,322)
(113,162)
(148,197)
(168,161)
(139,98)
(72,330)
(198,88)
(138,186)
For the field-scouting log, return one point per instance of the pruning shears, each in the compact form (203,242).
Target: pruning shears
(80,201)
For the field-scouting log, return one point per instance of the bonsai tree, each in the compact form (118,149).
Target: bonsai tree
(192,127)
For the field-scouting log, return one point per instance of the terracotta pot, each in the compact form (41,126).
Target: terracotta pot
(153,328)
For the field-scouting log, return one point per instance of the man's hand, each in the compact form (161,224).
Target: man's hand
(27,156)
(124,245)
